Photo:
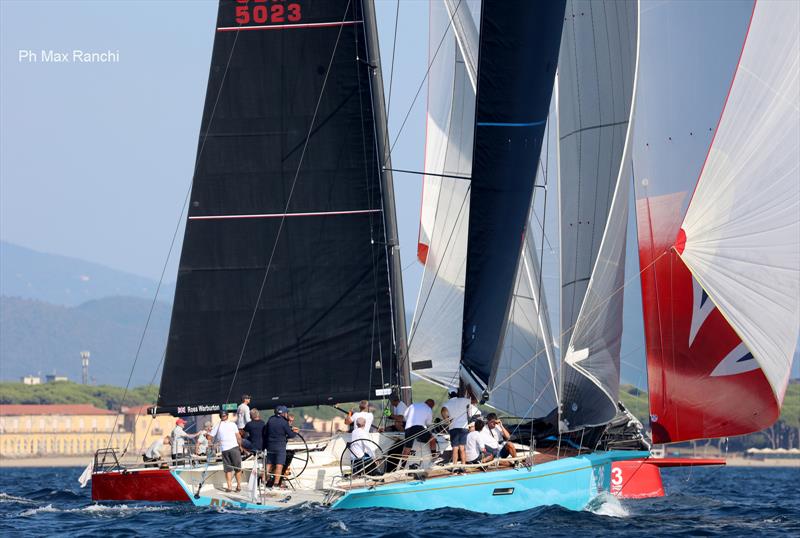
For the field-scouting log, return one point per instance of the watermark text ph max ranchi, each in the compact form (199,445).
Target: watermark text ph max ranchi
(75,56)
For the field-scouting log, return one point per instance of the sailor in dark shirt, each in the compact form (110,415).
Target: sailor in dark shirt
(254,431)
(276,433)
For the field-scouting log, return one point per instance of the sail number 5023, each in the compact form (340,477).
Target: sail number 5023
(263,12)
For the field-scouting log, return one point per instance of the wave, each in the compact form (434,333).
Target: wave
(6,498)
(608,505)
(48,494)
(338,525)
(99,509)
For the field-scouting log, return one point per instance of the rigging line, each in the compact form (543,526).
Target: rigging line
(389,250)
(403,171)
(410,264)
(422,82)
(391,70)
(439,266)
(172,241)
(603,302)
(367,178)
(139,409)
(288,202)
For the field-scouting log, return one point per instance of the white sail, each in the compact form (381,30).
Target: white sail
(526,374)
(436,331)
(596,89)
(742,228)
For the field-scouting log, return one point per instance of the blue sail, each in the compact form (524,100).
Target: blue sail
(517,62)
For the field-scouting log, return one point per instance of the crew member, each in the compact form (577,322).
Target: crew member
(458,407)
(243,413)
(276,433)
(227,435)
(419,417)
(363,411)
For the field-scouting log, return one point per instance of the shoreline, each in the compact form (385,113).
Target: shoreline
(747,462)
(47,461)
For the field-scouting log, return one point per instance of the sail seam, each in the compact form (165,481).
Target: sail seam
(288,26)
(282,215)
(502,124)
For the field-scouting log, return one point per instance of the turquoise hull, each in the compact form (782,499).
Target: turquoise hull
(569,482)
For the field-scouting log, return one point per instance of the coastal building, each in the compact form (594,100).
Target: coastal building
(29,430)
(53,378)
(147,428)
(31,380)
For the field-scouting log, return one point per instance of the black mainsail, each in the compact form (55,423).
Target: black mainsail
(518,55)
(286,277)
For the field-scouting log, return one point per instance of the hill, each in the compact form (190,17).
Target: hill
(38,337)
(67,281)
(102,396)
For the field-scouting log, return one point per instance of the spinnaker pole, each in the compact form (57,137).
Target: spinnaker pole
(389,211)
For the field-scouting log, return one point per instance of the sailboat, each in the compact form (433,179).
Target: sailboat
(290,278)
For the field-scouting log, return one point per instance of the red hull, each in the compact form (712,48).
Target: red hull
(636,479)
(641,479)
(144,485)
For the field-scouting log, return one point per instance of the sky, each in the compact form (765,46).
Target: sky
(96,159)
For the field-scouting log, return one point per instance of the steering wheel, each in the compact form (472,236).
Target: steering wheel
(378,462)
(297,457)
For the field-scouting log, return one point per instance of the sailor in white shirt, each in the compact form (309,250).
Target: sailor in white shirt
(179,437)
(474,411)
(361,451)
(398,407)
(394,414)
(495,437)
(243,412)
(154,451)
(363,412)
(226,434)
(419,417)
(475,449)
(458,409)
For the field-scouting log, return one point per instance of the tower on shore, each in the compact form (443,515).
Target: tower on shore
(85,367)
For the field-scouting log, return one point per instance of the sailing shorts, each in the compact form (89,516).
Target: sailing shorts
(458,436)
(232,459)
(501,452)
(276,456)
(416,433)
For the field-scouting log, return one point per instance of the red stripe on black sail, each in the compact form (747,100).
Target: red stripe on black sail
(516,68)
(324,318)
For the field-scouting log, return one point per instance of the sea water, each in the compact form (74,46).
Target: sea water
(725,501)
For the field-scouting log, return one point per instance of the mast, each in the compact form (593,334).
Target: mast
(389,211)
